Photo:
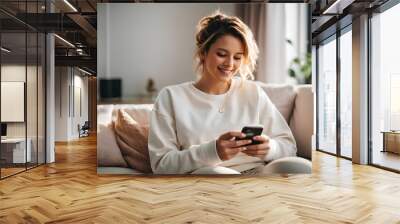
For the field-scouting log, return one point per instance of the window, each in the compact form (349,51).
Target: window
(335,74)
(346,93)
(385,87)
(327,96)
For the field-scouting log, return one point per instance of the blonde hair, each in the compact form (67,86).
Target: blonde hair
(211,28)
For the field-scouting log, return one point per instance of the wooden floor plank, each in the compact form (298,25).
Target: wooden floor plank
(70,191)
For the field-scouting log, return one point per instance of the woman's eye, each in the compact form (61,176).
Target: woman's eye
(237,58)
(221,55)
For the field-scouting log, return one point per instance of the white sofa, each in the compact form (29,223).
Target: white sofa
(294,102)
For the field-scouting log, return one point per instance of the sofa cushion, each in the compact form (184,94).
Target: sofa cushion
(139,112)
(108,152)
(302,123)
(132,141)
(104,113)
(282,96)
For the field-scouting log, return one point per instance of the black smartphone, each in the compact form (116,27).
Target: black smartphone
(250,132)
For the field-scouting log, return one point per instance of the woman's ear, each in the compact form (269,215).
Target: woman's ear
(202,57)
(202,60)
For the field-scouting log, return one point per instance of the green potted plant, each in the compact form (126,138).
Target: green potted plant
(300,67)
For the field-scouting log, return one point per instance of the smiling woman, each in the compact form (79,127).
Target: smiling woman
(222,36)
(221,62)
(195,126)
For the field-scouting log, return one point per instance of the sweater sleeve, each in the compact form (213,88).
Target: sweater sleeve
(282,142)
(166,155)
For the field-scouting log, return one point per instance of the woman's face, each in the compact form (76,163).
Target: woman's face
(224,58)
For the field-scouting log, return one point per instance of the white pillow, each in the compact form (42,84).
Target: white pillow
(108,152)
(104,113)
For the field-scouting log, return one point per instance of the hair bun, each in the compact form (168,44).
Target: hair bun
(212,20)
(215,18)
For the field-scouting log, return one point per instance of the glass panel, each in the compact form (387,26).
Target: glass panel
(31,97)
(41,98)
(327,97)
(23,89)
(386,89)
(32,126)
(13,85)
(346,94)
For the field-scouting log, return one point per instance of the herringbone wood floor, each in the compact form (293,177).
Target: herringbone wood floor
(70,191)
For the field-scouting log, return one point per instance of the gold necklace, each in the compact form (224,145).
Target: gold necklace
(222,106)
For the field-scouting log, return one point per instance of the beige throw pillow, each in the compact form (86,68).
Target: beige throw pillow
(282,96)
(132,141)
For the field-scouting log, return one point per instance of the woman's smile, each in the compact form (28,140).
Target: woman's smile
(225,71)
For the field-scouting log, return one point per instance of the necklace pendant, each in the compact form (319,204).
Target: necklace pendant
(221,110)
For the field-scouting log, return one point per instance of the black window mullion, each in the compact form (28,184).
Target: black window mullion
(369,78)
(37,89)
(44,79)
(317,96)
(26,87)
(338,96)
(37,98)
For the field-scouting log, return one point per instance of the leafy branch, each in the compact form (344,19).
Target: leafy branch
(300,68)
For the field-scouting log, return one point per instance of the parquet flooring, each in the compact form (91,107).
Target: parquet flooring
(70,191)
(9,171)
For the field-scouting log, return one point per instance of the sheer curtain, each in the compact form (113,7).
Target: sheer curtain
(272,24)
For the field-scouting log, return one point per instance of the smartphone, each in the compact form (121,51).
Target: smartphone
(250,132)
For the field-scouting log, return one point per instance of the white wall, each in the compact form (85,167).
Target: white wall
(145,40)
(62,81)
(68,82)
(79,117)
(33,126)
(17,73)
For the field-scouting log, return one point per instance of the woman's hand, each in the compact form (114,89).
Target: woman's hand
(258,150)
(228,147)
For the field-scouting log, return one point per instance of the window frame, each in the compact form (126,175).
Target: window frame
(347,27)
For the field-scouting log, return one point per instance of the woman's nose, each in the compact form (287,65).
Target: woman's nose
(229,62)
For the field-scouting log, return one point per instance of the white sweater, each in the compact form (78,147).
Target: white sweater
(186,122)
